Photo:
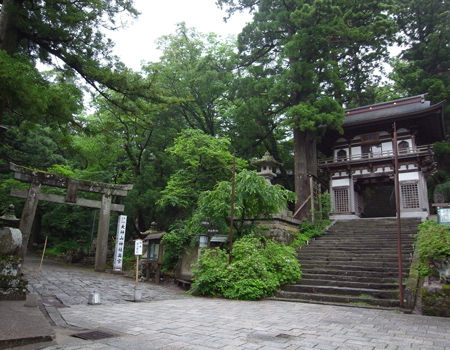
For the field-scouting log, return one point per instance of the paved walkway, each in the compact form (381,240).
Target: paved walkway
(171,320)
(70,285)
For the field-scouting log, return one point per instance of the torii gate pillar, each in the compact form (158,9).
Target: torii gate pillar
(33,195)
(101,249)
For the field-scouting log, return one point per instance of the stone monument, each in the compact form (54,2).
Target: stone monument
(12,283)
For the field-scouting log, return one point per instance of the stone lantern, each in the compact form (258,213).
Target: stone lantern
(154,251)
(9,218)
(267,164)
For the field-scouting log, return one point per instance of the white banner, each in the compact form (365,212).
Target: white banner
(120,243)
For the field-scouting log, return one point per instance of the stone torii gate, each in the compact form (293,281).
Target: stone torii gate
(33,195)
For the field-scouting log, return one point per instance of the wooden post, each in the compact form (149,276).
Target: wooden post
(102,234)
(319,194)
(42,258)
(136,282)
(159,263)
(399,222)
(311,191)
(27,218)
(230,235)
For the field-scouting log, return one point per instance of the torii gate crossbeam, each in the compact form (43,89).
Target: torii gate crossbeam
(38,178)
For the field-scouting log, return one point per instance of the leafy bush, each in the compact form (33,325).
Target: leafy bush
(180,236)
(308,231)
(62,248)
(433,242)
(254,198)
(443,191)
(259,266)
(325,201)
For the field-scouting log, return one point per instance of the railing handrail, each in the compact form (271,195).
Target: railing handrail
(417,150)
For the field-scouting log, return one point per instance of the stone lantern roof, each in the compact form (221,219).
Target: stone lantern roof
(153,233)
(267,164)
(9,217)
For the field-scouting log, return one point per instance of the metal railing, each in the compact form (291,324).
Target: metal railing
(402,153)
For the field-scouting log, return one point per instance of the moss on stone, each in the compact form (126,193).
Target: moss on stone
(436,303)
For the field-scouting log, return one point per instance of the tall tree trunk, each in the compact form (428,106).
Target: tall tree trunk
(9,35)
(305,162)
(8,32)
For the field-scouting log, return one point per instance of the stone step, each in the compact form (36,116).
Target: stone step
(355,248)
(350,284)
(360,259)
(293,296)
(337,290)
(356,273)
(348,278)
(372,235)
(306,251)
(378,231)
(307,267)
(336,262)
(355,262)
(362,246)
(354,251)
(362,240)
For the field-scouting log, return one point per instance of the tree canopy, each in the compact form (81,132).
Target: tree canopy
(172,128)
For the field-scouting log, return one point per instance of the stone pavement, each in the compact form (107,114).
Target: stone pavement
(172,320)
(60,284)
(21,325)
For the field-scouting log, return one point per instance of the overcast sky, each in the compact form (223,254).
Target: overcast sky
(136,43)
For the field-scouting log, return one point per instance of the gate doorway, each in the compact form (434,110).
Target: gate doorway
(376,197)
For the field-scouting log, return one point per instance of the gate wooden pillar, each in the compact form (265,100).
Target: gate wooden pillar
(101,249)
(33,195)
(27,218)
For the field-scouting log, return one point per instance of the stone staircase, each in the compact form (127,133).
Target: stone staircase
(355,262)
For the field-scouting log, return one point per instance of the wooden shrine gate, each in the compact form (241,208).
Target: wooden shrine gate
(33,195)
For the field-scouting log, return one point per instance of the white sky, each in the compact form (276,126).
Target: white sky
(136,43)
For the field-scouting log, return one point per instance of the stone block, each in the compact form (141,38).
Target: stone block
(31,300)
(10,240)
(12,284)
(436,302)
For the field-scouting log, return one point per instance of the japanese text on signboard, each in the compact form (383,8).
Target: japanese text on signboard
(120,243)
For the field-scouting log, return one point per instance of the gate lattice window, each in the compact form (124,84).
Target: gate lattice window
(410,195)
(341,200)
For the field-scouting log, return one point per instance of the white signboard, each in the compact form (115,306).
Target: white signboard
(444,216)
(120,243)
(138,247)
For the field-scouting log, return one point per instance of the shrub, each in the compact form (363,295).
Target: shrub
(308,231)
(62,248)
(259,266)
(433,242)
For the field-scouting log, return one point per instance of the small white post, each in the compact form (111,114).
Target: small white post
(138,252)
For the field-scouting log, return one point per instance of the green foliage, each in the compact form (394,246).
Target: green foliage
(202,160)
(62,248)
(254,198)
(60,169)
(28,96)
(196,69)
(259,266)
(436,303)
(325,202)
(180,235)
(444,190)
(433,242)
(426,59)
(308,231)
